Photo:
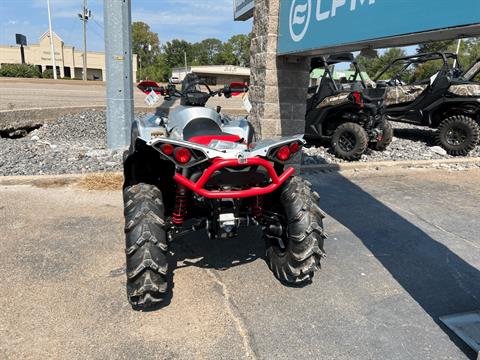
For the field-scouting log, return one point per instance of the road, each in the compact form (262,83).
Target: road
(18,94)
(403,249)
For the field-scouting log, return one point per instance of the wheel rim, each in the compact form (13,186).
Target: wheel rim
(456,136)
(277,231)
(347,141)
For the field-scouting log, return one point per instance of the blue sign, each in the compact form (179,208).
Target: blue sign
(306,25)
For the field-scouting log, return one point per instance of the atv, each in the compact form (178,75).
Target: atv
(448,101)
(348,113)
(200,169)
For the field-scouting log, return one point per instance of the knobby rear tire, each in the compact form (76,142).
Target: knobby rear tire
(300,231)
(146,246)
(360,141)
(467,125)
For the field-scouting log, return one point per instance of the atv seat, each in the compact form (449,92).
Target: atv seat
(204,130)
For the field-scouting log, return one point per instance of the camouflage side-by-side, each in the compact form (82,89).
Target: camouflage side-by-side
(465,89)
(403,94)
(334,100)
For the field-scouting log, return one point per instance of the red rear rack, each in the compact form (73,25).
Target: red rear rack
(198,186)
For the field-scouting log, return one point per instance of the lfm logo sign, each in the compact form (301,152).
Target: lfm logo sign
(301,11)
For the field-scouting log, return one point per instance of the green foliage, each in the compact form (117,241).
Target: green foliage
(207,52)
(374,66)
(20,70)
(157,63)
(174,52)
(435,46)
(469,52)
(236,51)
(145,43)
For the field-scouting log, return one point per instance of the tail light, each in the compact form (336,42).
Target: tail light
(357,98)
(283,154)
(167,149)
(294,147)
(182,155)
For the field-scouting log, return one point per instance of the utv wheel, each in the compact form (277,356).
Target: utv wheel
(387,137)
(295,241)
(458,135)
(349,141)
(146,246)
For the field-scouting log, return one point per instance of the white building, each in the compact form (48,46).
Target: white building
(215,74)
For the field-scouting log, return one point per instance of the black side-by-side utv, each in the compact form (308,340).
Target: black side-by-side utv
(448,101)
(346,112)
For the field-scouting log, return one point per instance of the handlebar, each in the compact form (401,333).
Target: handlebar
(171,90)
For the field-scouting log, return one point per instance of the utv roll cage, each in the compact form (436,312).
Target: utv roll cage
(472,71)
(406,61)
(327,62)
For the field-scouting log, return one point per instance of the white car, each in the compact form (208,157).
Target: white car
(174,80)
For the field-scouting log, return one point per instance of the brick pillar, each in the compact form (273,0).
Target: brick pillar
(278,89)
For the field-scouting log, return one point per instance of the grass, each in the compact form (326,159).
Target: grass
(102,181)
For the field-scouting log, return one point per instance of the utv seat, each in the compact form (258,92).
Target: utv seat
(203,130)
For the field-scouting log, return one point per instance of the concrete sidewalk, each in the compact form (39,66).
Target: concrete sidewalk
(403,250)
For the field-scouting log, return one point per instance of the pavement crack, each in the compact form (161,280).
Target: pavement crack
(234,313)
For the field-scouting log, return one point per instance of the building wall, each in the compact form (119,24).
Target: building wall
(224,79)
(65,56)
(222,73)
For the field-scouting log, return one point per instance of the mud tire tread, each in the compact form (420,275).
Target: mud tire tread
(146,245)
(305,236)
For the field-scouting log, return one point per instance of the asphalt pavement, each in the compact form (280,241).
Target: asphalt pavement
(17,93)
(403,250)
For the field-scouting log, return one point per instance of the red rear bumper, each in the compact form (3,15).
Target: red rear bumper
(198,186)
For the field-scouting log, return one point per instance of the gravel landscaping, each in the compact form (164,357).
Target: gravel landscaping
(409,143)
(76,143)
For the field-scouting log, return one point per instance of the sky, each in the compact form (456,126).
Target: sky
(190,20)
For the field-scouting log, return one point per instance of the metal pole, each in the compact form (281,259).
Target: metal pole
(118,59)
(52,45)
(84,18)
(185,53)
(22,54)
(458,50)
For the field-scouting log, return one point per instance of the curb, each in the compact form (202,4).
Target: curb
(69,179)
(42,180)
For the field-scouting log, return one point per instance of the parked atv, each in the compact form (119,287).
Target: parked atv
(348,113)
(446,101)
(199,169)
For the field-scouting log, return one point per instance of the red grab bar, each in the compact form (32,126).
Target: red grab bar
(254,191)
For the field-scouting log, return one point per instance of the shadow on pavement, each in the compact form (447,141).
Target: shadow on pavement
(436,278)
(426,135)
(196,249)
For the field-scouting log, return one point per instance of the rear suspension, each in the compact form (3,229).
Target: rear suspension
(257,207)
(181,204)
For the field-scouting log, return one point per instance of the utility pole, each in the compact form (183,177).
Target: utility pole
(118,59)
(84,16)
(52,45)
(185,54)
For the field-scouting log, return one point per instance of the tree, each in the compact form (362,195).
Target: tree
(207,52)
(236,51)
(435,46)
(145,44)
(377,64)
(174,53)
